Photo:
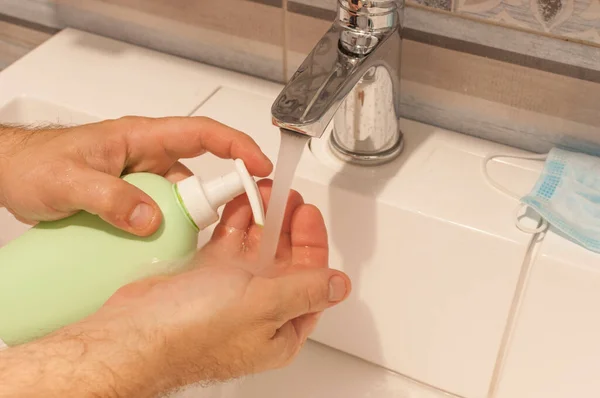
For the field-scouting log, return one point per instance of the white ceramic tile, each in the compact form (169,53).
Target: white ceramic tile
(319,372)
(555,350)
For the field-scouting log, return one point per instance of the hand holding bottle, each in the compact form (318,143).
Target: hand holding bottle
(226,318)
(49,174)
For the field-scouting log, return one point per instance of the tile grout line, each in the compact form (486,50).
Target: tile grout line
(204,101)
(515,308)
(286,27)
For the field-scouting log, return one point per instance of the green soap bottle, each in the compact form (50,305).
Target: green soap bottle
(57,273)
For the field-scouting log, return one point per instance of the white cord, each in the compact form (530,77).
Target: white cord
(544,224)
(536,234)
(515,309)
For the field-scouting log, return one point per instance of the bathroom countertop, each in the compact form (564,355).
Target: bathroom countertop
(447,290)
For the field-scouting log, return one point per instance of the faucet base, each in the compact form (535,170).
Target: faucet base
(367,159)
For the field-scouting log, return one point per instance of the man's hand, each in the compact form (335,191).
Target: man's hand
(51,174)
(226,318)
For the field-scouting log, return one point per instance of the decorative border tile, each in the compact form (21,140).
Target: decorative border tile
(473,37)
(445,5)
(569,19)
(521,48)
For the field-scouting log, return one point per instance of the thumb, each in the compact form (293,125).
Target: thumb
(115,201)
(310,291)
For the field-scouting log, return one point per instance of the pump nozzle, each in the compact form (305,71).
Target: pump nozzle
(221,190)
(202,200)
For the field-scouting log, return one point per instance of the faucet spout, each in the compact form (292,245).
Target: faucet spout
(352,75)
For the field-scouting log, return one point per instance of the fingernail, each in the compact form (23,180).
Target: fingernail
(337,289)
(141,216)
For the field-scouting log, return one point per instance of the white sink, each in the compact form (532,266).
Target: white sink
(432,249)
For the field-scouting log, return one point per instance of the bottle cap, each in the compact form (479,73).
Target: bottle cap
(202,200)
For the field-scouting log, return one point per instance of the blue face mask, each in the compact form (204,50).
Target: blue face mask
(567,195)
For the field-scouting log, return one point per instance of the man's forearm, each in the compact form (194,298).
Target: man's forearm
(78,364)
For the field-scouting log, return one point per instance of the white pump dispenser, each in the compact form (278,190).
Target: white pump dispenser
(203,199)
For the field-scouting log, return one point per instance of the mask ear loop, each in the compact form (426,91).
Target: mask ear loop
(544,224)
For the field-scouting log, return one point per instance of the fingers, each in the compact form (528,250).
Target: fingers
(289,338)
(309,241)
(308,292)
(177,173)
(114,200)
(187,137)
(306,324)
(308,228)
(299,299)
(238,213)
(230,235)
(284,249)
(236,231)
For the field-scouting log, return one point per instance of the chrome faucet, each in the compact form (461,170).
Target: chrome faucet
(352,76)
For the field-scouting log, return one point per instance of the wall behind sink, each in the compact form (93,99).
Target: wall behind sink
(521,72)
